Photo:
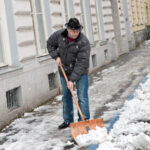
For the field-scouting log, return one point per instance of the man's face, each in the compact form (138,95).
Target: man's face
(73,33)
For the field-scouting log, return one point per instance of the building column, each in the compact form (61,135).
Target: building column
(121,41)
(128,25)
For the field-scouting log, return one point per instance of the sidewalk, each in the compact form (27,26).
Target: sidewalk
(109,88)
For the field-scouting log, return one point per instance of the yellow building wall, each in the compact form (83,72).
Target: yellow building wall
(148,13)
(140,13)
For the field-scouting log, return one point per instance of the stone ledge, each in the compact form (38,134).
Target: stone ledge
(8,69)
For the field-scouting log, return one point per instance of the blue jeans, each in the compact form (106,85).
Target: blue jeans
(83,100)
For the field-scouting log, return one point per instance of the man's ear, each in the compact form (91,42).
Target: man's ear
(67,29)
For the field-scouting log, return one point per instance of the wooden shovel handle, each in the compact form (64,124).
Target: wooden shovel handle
(74,98)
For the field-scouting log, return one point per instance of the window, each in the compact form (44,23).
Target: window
(94,60)
(82,12)
(106,54)
(13,98)
(68,9)
(94,19)
(39,26)
(52,81)
(79,13)
(2,35)
(57,17)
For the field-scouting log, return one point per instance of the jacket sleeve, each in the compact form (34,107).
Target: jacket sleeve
(52,45)
(82,61)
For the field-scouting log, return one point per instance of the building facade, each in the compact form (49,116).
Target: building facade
(28,75)
(140,12)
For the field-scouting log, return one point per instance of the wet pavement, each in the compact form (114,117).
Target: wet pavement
(109,87)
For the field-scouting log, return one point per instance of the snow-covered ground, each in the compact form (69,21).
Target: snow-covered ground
(110,87)
(132,130)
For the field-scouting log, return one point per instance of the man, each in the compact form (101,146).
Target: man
(71,49)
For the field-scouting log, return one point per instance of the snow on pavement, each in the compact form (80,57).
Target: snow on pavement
(33,131)
(132,130)
(111,86)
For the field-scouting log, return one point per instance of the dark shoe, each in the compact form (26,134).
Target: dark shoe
(64,125)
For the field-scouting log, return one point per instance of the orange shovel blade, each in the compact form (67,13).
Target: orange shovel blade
(83,127)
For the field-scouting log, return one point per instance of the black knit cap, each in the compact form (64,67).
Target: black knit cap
(74,24)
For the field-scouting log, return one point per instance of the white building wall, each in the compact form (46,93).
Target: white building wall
(56,14)
(32,69)
(24,29)
(108,19)
(128,23)
(31,72)
(94,16)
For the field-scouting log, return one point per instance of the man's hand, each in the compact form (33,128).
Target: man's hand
(58,61)
(70,85)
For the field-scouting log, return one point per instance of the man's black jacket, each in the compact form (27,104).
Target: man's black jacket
(74,55)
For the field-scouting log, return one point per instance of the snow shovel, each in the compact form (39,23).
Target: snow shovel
(83,126)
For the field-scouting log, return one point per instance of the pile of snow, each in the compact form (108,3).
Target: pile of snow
(38,130)
(131,131)
(107,146)
(93,137)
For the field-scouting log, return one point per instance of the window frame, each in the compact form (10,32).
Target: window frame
(86,16)
(100,20)
(82,18)
(34,13)
(1,46)
(4,37)
(65,13)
